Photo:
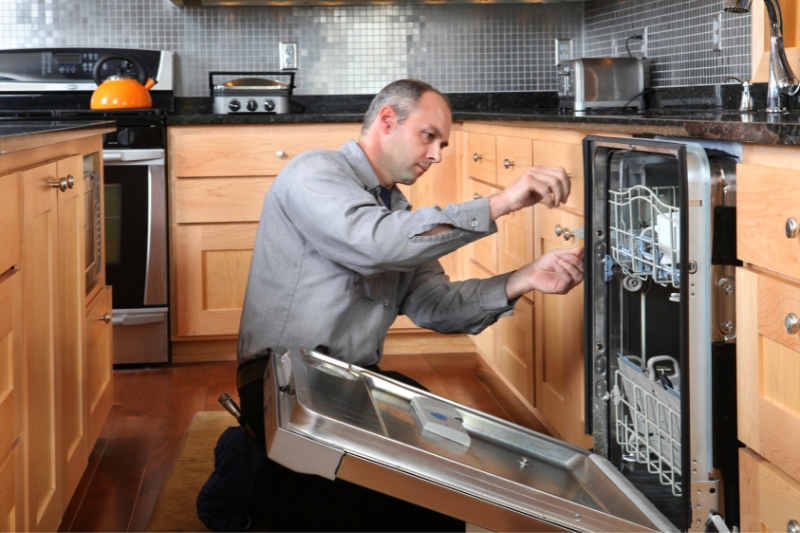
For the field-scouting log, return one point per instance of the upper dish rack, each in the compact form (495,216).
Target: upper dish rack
(645,233)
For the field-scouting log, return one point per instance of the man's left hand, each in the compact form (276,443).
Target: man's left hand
(556,272)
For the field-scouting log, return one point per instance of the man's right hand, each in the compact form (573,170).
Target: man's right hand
(550,185)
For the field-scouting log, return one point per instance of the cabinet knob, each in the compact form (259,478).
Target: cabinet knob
(70,181)
(280,154)
(792,323)
(476,157)
(559,230)
(507,163)
(60,184)
(791,228)
(567,234)
(476,196)
(105,318)
(793,526)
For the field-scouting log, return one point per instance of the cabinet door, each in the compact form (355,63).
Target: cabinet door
(40,293)
(11,402)
(559,338)
(99,361)
(483,252)
(569,156)
(486,340)
(768,368)
(212,266)
(515,241)
(481,157)
(515,359)
(71,290)
(770,500)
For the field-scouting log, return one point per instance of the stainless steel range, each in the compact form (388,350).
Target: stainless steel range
(57,84)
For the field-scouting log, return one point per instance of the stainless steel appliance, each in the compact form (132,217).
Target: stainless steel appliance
(336,420)
(600,82)
(93,238)
(57,84)
(660,320)
(251,94)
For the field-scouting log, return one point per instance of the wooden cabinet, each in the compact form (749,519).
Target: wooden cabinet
(565,151)
(768,345)
(559,337)
(12,401)
(219,176)
(99,362)
(44,395)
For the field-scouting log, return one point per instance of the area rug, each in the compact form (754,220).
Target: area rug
(176,508)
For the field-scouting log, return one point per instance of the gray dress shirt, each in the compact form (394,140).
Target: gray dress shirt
(333,266)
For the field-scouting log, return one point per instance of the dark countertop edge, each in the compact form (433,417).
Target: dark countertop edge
(19,136)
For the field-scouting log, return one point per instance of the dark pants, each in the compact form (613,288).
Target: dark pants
(303,502)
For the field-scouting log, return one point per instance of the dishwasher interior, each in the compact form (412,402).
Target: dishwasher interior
(660,321)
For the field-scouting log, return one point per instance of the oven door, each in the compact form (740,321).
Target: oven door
(136,252)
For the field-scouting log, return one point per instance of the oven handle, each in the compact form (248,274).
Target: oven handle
(155,284)
(111,156)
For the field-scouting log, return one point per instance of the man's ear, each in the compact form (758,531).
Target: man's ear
(387,119)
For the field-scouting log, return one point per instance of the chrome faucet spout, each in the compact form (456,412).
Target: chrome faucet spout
(781,77)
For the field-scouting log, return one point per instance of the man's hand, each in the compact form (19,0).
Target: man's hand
(539,184)
(556,272)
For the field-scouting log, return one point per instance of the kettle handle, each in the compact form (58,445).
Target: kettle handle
(141,73)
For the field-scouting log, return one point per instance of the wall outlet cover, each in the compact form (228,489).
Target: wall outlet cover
(288,56)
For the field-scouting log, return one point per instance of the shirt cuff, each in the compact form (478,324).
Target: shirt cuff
(493,295)
(474,216)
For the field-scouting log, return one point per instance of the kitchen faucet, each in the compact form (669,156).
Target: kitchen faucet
(781,77)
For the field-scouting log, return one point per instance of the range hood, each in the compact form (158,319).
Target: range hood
(233,3)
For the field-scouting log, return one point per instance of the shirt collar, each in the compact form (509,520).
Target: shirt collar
(366,175)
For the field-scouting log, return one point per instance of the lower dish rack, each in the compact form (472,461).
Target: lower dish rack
(648,422)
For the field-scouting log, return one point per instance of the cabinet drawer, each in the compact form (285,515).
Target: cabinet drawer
(481,157)
(569,156)
(768,369)
(767,198)
(219,199)
(770,500)
(483,251)
(9,222)
(249,150)
(514,158)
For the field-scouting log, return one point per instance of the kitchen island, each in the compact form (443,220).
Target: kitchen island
(55,331)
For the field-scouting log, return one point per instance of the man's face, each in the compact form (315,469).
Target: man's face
(413,146)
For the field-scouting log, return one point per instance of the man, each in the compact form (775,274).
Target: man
(339,254)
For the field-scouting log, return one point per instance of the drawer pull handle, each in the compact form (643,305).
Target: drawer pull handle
(792,323)
(105,318)
(476,196)
(60,184)
(476,157)
(280,154)
(507,163)
(791,228)
(793,526)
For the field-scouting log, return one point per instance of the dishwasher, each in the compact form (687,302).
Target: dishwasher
(660,321)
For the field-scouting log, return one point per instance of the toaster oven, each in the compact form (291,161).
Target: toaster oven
(615,82)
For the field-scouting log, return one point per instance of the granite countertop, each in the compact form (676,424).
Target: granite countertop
(707,112)
(16,127)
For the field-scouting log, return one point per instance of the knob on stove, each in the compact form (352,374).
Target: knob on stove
(269,105)
(125,137)
(252,105)
(234,105)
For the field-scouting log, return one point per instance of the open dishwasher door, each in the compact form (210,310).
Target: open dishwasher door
(336,420)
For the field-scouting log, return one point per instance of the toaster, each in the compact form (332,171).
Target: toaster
(603,82)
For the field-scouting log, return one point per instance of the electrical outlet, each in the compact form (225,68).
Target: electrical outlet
(716,32)
(288,56)
(563,50)
(644,42)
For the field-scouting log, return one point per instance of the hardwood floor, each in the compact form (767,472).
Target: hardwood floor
(153,408)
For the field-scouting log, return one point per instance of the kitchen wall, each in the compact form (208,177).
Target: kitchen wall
(358,49)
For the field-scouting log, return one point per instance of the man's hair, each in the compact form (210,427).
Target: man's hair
(403,96)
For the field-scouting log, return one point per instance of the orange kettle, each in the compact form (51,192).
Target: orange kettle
(122,90)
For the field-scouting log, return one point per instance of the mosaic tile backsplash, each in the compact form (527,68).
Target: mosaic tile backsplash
(358,49)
